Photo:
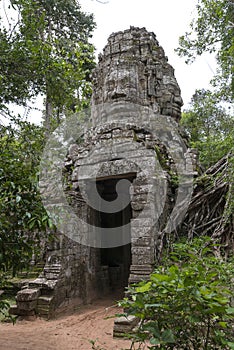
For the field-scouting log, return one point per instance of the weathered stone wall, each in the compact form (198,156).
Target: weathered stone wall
(122,157)
(66,281)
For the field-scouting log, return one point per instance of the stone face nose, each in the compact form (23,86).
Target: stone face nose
(119,91)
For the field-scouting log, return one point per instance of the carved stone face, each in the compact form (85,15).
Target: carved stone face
(134,69)
(121,83)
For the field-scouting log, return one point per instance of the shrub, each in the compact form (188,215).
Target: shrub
(186,304)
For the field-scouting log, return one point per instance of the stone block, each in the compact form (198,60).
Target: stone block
(115,48)
(128,320)
(44,299)
(141,189)
(137,278)
(27,295)
(142,259)
(138,205)
(43,283)
(123,325)
(142,255)
(143,241)
(140,231)
(146,213)
(29,315)
(142,250)
(45,305)
(27,305)
(13,310)
(141,269)
(146,222)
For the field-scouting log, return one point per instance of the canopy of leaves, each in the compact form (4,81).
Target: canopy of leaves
(209,126)
(45,49)
(213,31)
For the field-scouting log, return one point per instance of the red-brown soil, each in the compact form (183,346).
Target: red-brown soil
(74,332)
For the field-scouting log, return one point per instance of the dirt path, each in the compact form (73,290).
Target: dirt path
(66,333)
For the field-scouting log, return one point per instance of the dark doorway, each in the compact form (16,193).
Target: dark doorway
(115,262)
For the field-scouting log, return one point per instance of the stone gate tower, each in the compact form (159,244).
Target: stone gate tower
(125,166)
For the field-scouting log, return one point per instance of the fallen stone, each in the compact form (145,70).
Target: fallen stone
(27,295)
(128,320)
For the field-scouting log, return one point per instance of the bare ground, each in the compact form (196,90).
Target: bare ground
(72,332)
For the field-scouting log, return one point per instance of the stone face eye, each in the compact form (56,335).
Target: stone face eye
(110,84)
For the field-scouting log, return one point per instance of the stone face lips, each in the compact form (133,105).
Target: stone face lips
(134,68)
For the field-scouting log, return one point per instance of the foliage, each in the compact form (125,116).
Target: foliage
(4,307)
(23,217)
(6,301)
(186,304)
(209,126)
(212,30)
(46,51)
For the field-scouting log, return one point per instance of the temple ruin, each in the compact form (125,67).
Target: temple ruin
(119,157)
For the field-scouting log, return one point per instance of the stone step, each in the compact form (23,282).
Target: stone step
(141,269)
(123,325)
(44,306)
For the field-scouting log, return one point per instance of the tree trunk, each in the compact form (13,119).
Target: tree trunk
(48,115)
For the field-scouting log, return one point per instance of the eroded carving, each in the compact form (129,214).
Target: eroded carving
(133,68)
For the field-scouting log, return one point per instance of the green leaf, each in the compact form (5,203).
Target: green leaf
(223,324)
(230,310)
(152,327)
(155,341)
(156,277)
(50,223)
(145,288)
(168,336)
(18,198)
